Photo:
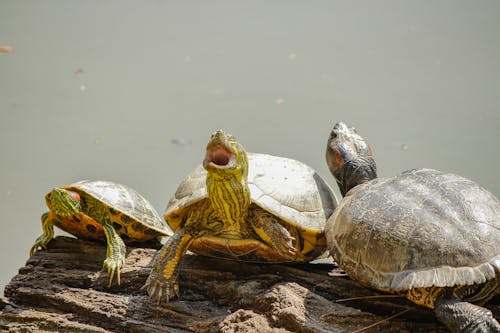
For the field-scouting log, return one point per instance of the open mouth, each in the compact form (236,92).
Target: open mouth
(218,155)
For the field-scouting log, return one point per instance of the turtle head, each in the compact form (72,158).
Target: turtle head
(63,202)
(225,156)
(349,158)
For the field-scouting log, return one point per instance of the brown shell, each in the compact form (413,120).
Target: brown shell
(422,228)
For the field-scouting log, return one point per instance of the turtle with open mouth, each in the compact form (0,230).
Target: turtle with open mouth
(249,207)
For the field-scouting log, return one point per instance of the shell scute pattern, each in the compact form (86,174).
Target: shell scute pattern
(441,235)
(127,205)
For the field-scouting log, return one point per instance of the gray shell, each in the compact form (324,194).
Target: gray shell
(422,228)
(125,200)
(285,187)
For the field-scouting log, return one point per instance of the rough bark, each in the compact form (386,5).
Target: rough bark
(63,290)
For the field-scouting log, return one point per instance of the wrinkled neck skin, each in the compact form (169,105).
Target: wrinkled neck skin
(229,197)
(355,172)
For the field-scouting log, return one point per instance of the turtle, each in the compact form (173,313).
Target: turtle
(430,236)
(101,210)
(244,206)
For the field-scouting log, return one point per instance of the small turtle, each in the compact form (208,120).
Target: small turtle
(431,236)
(253,207)
(101,210)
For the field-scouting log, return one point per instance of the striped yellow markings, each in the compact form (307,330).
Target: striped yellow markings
(174,252)
(230,199)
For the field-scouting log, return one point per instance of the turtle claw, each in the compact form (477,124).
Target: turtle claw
(48,233)
(113,265)
(41,242)
(161,291)
(111,274)
(286,247)
(34,249)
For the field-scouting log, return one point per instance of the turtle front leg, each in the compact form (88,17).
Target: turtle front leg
(46,237)
(115,257)
(464,317)
(162,281)
(273,233)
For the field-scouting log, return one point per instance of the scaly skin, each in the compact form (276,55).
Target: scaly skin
(116,250)
(225,213)
(162,281)
(465,317)
(46,237)
(272,233)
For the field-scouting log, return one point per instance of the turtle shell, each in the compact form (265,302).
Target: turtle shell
(133,216)
(285,187)
(423,228)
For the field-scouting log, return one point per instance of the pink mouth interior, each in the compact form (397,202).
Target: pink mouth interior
(218,155)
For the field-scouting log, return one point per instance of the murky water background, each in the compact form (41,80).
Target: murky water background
(130,91)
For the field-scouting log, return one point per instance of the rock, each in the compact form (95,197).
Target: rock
(63,290)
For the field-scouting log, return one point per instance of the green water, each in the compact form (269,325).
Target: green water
(130,91)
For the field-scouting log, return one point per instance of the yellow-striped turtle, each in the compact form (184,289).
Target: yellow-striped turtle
(253,207)
(101,210)
(433,237)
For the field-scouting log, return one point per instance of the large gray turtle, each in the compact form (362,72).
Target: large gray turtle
(433,237)
(251,207)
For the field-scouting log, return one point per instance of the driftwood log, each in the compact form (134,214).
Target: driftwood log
(63,290)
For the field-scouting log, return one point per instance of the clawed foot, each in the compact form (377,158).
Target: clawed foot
(113,265)
(41,242)
(275,235)
(161,290)
(286,247)
(161,284)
